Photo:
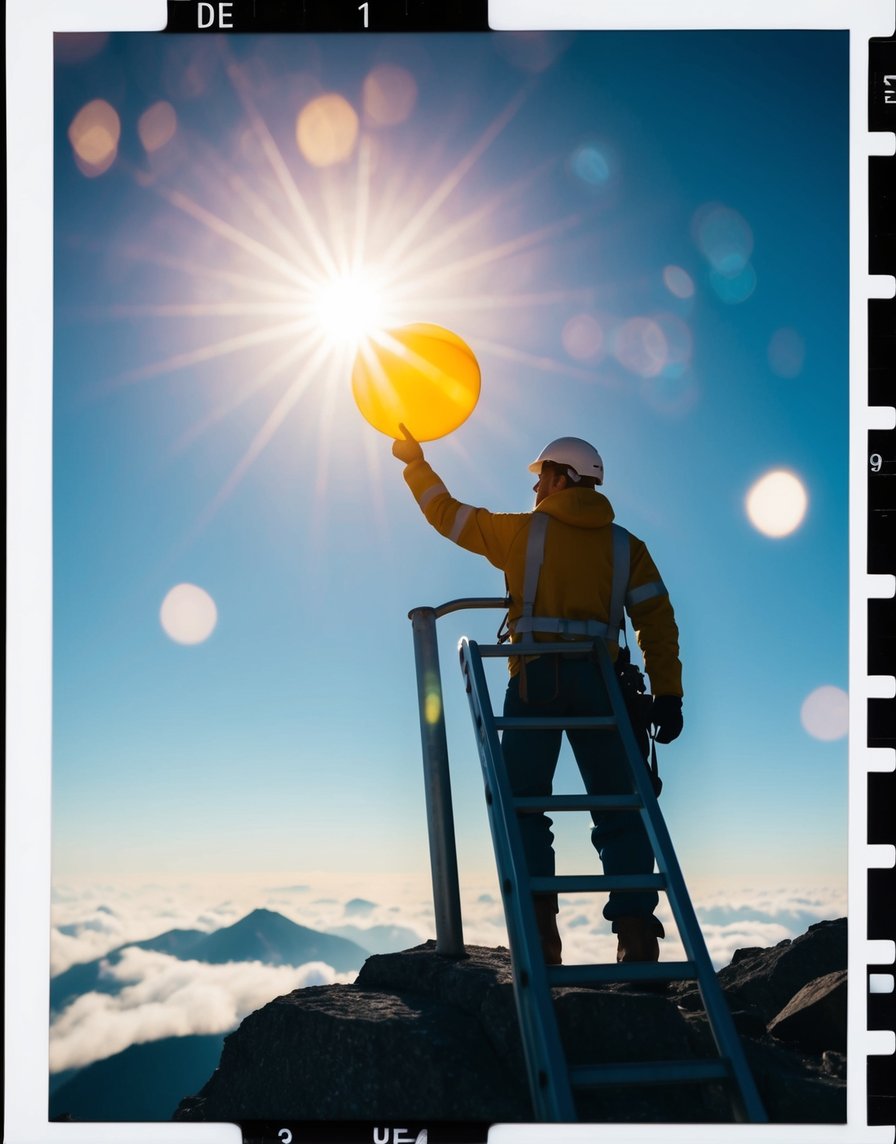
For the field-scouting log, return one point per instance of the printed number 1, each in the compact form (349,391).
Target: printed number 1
(363,8)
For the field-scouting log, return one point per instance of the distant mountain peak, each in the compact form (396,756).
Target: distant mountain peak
(359,906)
(267,936)
(264,921)
(262,935)
(262,914)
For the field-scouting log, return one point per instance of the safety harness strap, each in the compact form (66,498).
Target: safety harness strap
(566,629)
(534,558)
(621,564)
(528,623)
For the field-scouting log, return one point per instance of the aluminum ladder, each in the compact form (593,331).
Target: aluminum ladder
(551,1082)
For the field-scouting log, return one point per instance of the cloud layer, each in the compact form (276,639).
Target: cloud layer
(161,996)
(165,997)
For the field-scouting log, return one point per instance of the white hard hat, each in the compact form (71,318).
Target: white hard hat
(581,459)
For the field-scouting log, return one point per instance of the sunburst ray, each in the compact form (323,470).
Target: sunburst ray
(275,160)
(378,222)
(265,434)
(452,180)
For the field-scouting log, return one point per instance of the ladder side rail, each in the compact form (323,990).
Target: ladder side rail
(545,1059)
(725,1035)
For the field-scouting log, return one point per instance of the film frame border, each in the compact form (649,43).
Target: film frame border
(873,698)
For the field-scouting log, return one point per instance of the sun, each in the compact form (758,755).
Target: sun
(350,308)
(300,272)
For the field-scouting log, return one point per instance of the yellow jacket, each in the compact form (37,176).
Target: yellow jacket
(575,578)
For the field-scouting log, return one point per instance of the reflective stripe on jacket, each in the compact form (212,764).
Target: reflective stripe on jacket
(575,579)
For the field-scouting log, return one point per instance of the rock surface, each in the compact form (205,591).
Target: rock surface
(765,980)
(418,1036)
(815,1019)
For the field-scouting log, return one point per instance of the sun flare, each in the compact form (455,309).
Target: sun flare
(350,308)
(297,270)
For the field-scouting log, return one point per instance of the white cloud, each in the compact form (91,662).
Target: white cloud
(145,911)
(93,928)
(67,950)
(162,996)
(723,941)
(788,905)
(165,997)
(730,920)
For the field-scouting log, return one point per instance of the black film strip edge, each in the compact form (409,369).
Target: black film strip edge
(363,1132)
(280,16)
(881,556)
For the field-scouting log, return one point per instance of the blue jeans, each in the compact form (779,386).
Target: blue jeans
(559,686)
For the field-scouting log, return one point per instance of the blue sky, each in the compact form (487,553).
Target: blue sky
(288,741)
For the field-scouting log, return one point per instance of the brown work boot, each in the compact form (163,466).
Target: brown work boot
(638,939)
(546,908)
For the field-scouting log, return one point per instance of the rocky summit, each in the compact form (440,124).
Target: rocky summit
(420,1036)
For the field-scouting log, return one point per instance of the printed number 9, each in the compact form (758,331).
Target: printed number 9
(285,1135)
(876,461)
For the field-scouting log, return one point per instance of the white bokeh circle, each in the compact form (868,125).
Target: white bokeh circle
(825,713)
(776,504)
(188,614)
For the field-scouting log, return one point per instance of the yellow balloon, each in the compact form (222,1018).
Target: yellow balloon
(421,376)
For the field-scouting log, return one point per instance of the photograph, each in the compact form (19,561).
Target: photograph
(373,357)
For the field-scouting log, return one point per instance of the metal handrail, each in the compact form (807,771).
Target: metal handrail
(436,775)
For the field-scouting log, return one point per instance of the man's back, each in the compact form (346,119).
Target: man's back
(575,579)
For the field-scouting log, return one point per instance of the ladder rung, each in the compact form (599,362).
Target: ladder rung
(556,722)
(533,804)
(626,971)
(655,1072)
(591,883)
(560,647)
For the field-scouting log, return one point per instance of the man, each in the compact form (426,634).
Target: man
(559,564)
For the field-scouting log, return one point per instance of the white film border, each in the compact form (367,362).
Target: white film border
(30,367)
